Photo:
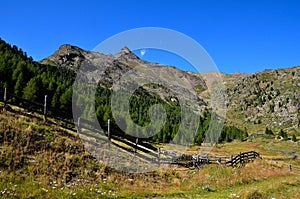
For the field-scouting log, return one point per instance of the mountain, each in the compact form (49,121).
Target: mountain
(108,69)
(254,101)
(55,76)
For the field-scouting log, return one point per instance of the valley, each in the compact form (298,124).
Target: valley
(50,157)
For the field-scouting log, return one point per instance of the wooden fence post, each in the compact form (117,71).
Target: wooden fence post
(5,97)
(158,155)
(108,132)
(45,108)
(194,162)
(78,125)
(219,161)
(136,145)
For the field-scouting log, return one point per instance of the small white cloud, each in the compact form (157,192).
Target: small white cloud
(142,52)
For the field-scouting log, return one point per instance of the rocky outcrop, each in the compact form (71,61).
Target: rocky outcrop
(109,69)
(267,99)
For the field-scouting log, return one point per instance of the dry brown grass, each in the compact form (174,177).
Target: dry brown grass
(50,159)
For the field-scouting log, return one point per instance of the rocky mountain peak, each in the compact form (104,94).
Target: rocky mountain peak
(124,50)
(69,49)
(125,54)
(66,55)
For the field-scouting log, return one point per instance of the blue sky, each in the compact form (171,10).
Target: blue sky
(245,36)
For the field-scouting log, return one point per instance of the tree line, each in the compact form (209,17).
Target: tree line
(29,79)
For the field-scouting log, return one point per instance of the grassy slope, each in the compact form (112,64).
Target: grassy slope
(45,161)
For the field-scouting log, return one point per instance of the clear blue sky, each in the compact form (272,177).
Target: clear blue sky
(244,36)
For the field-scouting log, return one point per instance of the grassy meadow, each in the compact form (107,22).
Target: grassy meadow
(43,160)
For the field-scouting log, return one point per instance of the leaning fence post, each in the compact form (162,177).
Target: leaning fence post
(45,108)
(4,97)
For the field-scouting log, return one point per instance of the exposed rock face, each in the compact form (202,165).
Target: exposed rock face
(254,101)
(66,56)
(265,99)
(125,54)
(109,69)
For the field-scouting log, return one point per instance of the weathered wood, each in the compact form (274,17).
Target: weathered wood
(136,145)
(41,108)
(45,109)
(242,158)
(78,125)
(5,96)
(158,155)
(108,132)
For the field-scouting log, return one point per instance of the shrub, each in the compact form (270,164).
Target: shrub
(294,139)
(255,195)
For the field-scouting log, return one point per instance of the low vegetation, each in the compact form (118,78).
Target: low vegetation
(40,160)
(44,160)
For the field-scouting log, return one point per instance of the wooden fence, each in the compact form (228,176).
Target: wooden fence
(139,147)
(42,108)
(242,158)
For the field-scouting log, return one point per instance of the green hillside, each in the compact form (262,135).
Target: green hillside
(44,159)
(31,80)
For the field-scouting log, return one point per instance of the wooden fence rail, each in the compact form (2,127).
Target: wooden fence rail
(243,158)
(42,108)
(138,146)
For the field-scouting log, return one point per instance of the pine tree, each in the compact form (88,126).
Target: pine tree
(33,90)
(19,86)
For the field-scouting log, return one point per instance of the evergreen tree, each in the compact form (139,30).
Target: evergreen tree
(19,86)
(33,90)
(66,99)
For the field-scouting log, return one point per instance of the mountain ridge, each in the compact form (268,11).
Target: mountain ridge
(254,101)
(250,96)
(68,49)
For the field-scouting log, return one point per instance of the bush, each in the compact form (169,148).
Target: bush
(294,139)
(269,131)
(255,195)
(283,134)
